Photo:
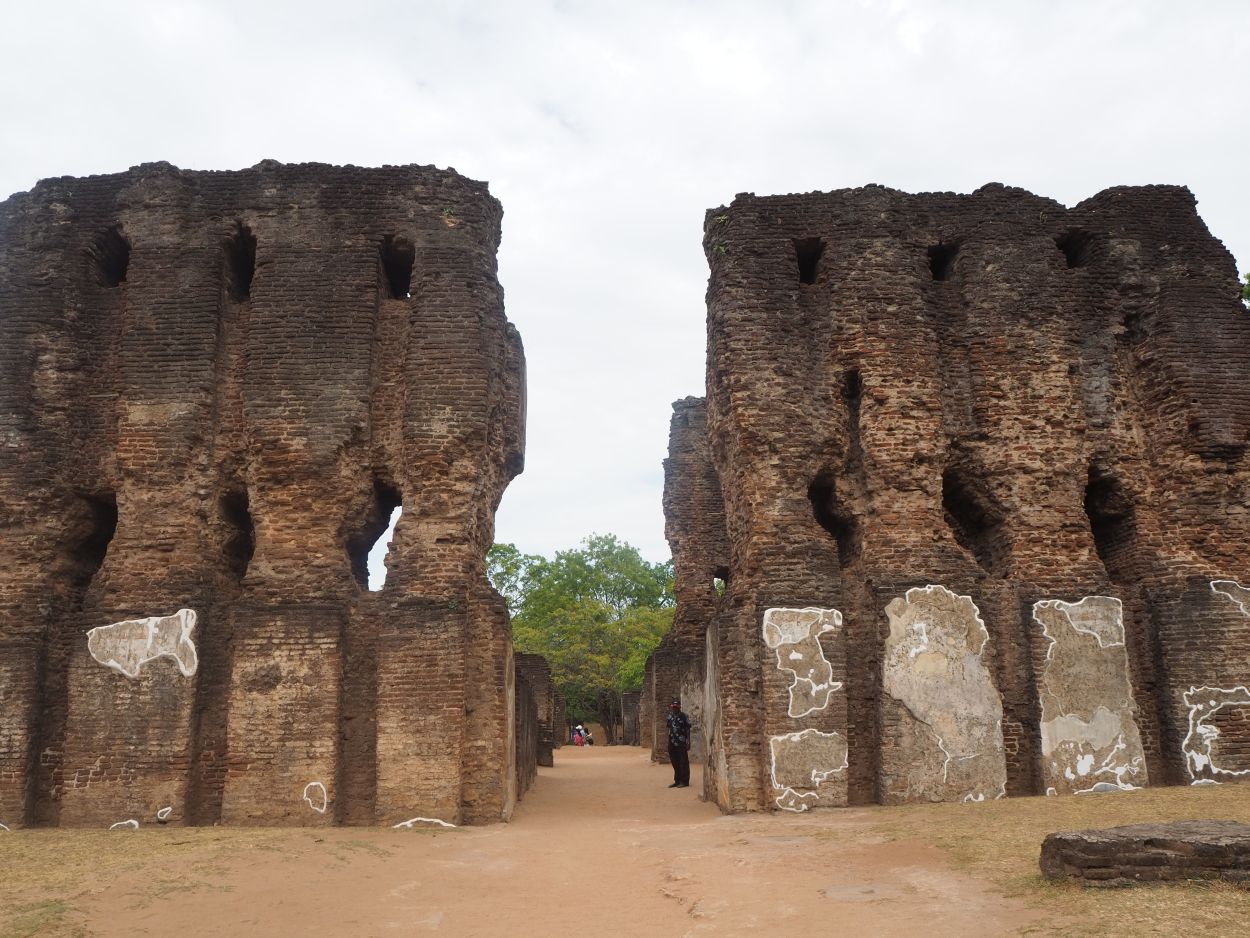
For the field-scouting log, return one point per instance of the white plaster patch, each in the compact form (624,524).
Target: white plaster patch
(1089,732)
(128,825)
(801,762)
(414,821)
(1099,616)
(1203,704)
(316,796)
(933,668)
(794,634)
(128,645)
(1234,591)
(164,813)
(1099,788)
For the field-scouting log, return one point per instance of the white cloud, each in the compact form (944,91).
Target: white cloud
(606,131)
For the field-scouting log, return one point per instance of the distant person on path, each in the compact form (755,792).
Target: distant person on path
(679,745)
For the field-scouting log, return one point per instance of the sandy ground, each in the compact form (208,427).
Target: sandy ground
(600,846)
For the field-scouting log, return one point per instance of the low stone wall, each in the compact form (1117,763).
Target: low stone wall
(1150,853)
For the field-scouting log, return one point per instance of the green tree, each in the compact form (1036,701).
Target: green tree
(595,613)
(1245,289)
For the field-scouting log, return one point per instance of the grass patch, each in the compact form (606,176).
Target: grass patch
(1000,841)
(40,919)
(46,871)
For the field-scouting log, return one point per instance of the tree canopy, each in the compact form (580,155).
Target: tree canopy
(594,612)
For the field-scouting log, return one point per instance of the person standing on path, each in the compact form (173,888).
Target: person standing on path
(679,745)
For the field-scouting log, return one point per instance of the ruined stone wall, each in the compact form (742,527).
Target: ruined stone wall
(646,708)
(559,722)
(629,717)
(537,674)
(214,387)
(694,524)
(528,734)
(985,477)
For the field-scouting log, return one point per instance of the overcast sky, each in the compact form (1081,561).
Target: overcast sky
(607,129)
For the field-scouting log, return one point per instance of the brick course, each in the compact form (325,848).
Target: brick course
(214,386)
(993,393)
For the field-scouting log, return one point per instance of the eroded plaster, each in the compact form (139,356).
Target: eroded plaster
(801,762)
(128,645)
(1090,740)
(949,713)
(1234,591)
(794,634)
(412,822)
(1201,743)
(128,825)
(316,796)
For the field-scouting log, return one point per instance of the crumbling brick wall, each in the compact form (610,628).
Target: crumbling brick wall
(629,717)
(537,673)
(527,733)
(214,387)
(965,442)
(694,524)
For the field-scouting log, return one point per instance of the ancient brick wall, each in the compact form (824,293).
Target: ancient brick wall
(214,387)
(527,733)
(984,468)
(537,674)
(694,524)
(629,717)
(646,708)
(559,722)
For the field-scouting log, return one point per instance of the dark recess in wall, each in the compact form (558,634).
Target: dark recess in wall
(1113,523)
(942,260)
(241,542)
(110,253)
(386,498)
(93,543)
(974,520)
(808,252)
(240,257)
(1075,245)
(398,256)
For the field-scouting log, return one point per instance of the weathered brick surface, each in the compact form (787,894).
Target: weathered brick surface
(629,717)
(214,386)
(537,675)
(694,524)
(1179,851)
(527,732)
(994,394)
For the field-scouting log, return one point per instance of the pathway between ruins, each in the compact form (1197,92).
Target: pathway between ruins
(599,847)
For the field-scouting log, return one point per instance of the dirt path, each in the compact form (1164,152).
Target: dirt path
(599,847)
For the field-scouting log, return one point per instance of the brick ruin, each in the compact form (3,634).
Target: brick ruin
(966,511)
(216,386)
(548,707)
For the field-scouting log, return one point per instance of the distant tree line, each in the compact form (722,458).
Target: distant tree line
(595,612)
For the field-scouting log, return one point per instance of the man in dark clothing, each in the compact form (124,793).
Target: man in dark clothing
(679,745)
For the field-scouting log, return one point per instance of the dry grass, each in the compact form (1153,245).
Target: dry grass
(46,873)
(48,877)
(1001,840)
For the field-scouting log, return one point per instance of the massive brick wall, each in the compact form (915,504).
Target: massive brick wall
(214,387)
(694,524)
(537,674)
(985,479)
